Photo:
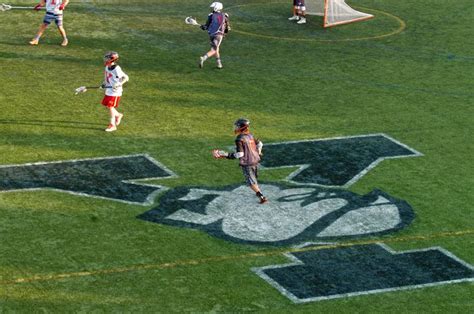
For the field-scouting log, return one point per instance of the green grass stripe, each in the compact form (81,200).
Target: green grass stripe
(216,259)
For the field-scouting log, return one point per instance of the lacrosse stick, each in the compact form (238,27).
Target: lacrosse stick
(84,89)
(6,7)
(191,21)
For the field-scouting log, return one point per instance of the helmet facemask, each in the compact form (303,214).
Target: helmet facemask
(110,58)
(241,125)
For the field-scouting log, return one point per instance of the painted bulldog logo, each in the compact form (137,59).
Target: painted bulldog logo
(294,214)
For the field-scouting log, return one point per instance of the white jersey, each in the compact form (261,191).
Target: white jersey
(53,6)
(115,77)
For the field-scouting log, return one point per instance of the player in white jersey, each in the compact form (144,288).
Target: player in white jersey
(114,78)
(54,12)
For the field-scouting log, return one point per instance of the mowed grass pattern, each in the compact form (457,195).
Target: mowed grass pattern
(292,81)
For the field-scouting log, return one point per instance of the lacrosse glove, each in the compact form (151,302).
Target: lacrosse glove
(218,154)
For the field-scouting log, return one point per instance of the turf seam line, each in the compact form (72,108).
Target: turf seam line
(51,277)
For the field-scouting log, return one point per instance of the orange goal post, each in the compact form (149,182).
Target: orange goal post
(335,12)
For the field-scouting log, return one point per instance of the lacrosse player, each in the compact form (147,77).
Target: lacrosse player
(299,14)
(248,150)
(115,78)
(217,25)
(54,12)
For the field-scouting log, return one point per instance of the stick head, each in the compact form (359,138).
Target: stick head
(5,7)
(190,21)
(81,89)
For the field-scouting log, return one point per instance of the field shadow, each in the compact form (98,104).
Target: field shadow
(55,123)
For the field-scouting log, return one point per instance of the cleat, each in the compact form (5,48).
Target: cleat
(118,119)
(201,62)
(34,42)
(302,21)
(111,128)
(263,200)
(65,42)
(294,18)
(219,65)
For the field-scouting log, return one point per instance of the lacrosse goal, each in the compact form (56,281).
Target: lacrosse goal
(335,12)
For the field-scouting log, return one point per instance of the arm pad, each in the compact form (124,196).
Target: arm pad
(259,147)
(235,155)
(124,79)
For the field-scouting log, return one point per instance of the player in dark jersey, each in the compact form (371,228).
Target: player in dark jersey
(217,25)
(248,150)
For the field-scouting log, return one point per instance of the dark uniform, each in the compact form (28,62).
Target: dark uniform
(217,25)
(246,144)
(298,3)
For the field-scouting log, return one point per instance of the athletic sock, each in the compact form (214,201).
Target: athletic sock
(259,194)
(205,57)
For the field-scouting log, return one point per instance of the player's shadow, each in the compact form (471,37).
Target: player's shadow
(55,123)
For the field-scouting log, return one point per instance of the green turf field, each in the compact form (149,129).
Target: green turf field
(407,74)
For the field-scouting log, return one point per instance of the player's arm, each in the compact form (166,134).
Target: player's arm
(41,4)
(63,5)
(259,146)
(239,151)
(123,78)
(227,23)
(208,22)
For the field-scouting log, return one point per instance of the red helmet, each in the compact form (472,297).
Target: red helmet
(110,58)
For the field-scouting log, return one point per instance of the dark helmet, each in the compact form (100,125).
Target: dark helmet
(110,57)
(241,124)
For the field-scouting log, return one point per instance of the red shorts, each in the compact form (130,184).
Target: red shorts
(111,101)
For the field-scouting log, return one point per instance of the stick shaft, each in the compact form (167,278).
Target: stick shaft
(21,8)
(92,87)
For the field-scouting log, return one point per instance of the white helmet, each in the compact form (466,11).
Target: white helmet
(216,6)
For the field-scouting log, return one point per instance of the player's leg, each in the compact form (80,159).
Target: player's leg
(62,31)
(208,54)
(218,55)
(48,19)
(112,127)
(40,32)
(111,102)
(117,116)
(295,16)
(301,12)
(251,174)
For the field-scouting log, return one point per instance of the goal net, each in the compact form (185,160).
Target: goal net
(335,12)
